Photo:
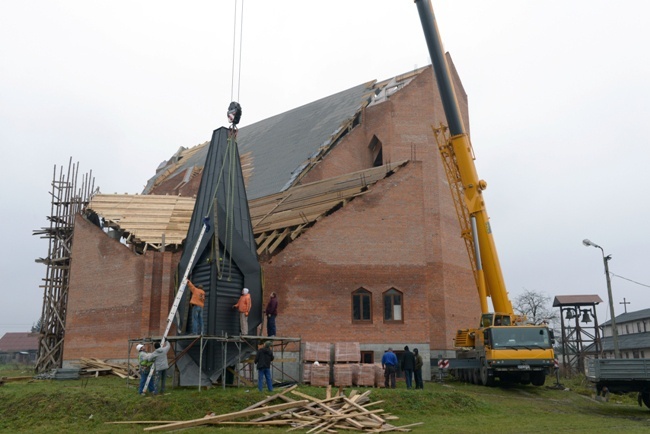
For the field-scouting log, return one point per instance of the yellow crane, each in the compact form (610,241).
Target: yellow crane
(502,345)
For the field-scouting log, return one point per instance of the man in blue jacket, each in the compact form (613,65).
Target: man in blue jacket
(389,363)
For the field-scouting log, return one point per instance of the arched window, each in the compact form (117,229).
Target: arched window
(362,306)
(393,302)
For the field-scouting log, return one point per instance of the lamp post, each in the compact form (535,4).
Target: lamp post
(606,259)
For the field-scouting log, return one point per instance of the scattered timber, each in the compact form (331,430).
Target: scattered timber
(100,367)
(313,415)
(10,379)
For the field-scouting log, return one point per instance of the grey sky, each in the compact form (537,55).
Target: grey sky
(559,110)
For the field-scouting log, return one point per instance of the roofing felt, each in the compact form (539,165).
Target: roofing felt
(279,149)
(14,342)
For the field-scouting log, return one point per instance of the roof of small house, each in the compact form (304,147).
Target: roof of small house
(629,317)
(14,342)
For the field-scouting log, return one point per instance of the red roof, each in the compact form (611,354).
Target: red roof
(576,300)
(14,342)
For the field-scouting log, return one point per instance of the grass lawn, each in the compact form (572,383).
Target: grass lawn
(50,406)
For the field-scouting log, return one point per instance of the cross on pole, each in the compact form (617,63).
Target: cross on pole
(624,303)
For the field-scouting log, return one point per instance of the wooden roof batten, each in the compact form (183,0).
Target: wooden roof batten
(157,221)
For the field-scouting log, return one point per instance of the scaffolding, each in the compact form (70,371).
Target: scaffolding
(68,200)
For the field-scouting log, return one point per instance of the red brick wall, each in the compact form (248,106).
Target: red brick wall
(114,294)
(375,242)
(416,231)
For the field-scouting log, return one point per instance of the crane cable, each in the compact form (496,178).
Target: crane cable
(234,109)
(234,51)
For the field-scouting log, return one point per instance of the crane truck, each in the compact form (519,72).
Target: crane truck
(502,345)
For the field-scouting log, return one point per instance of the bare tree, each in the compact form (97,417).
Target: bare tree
(535,305)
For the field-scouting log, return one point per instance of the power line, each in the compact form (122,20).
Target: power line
(629,280)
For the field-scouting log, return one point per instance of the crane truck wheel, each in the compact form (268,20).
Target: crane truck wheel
(486,378)
(645,396)
(476,377)
(538,378)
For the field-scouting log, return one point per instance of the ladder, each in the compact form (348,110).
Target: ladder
(179,294)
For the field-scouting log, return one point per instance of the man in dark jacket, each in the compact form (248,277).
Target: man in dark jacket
(263,360)
(418,369)
(271,312)
(408,366)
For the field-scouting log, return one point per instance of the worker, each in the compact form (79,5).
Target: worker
(271,312)
(263,360)
(418,369)
(160,365)
(145,366)
(244,307)
(408,366)
(197,301)
(389,363)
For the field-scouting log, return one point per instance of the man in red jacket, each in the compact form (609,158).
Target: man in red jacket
(244,306)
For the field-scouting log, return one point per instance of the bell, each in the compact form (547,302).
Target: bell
(586,318)
(570,314)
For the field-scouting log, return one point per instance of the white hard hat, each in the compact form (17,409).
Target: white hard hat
(139,347)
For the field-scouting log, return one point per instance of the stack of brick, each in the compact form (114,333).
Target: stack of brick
(366,375)
(320,374)
(317,352)
(316,374)
(343,374)
(347,356)
(379,375)
(347,352)
(306,372)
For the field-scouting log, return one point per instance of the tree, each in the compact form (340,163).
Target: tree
(36,327)
(535,305)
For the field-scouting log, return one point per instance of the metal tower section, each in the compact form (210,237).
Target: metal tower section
(68,200)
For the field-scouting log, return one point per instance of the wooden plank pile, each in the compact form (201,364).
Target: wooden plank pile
(330,415)
(100,367)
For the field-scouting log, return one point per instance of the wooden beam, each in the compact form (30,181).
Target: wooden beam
(223,417)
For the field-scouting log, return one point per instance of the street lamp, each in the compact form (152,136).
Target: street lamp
(606,259)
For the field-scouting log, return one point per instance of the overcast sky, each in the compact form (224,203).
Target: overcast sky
(559,113)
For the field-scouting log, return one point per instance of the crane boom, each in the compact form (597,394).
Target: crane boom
(458,157)
(501,346)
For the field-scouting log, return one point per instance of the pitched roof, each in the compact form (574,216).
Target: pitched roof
(278,150)
(576,300)
(14,342)
(145,218)
(630,317)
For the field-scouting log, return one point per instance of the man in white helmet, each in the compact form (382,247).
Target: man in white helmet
(244,307)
